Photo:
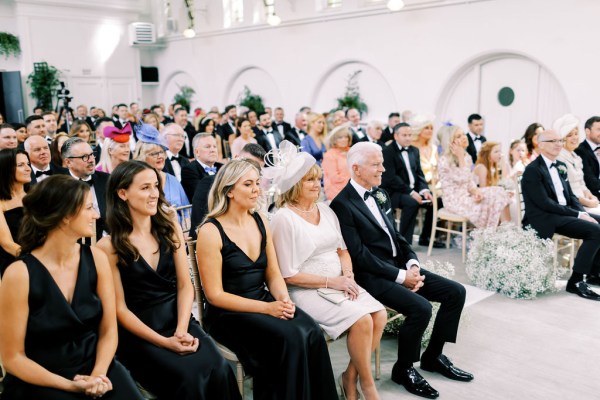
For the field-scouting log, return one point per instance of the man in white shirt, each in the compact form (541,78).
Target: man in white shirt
(205,153)
(39,156)
(175,138)
(8,137)
(358,133)
(50,125)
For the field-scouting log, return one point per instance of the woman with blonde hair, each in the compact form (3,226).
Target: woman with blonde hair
(115,148)
(335,170)
(248,306)
(81,129)
(152,119)
(422,131)
(314,142)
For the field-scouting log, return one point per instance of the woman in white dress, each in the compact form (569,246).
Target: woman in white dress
(312,256)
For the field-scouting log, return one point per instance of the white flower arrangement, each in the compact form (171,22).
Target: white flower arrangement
(380,197)
(511,261)
(562,170)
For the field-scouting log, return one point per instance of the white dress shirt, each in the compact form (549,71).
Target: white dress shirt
(558,187)
(404,154)
(358,132)
(175,164)
(477,143)
(271,138)
(41,177)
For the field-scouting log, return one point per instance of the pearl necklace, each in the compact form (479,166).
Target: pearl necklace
(303,211)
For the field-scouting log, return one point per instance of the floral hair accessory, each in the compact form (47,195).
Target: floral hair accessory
(147,133)
(118,135)
(286,166)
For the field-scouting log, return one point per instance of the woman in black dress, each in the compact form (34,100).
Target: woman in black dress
(15,175)
(58,334)
(161,343)
(278,344)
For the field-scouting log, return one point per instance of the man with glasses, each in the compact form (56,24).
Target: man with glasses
(81,164)
(551,207)
(175,138)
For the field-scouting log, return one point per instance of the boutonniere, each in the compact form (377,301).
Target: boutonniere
(562,170)
(381,198)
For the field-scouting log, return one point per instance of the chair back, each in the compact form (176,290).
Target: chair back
(191,244)
(184,214)
(520,201)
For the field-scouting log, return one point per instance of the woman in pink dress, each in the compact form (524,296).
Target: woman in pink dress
(482,206)
(245,129)
(335,169)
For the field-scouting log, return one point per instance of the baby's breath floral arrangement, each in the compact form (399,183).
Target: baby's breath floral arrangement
(445,270)
(511,261)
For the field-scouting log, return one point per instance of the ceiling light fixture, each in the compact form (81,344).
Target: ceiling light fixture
(395,5)
(189,32)
(272,18)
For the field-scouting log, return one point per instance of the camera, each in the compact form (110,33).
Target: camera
(63,93)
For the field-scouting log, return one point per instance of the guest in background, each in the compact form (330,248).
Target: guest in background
(8,137)
(358,132)
(205,163)
(115,149)
(422,139)
(321,260)
(387,136)
(152,119)
(101,123)
(531,140)
(208,125)
(35,126)
(374,132)
(314,142)
(1,119)
(160,342)
(39,156)
(50,124)
(174,137)
(267,137)
(489,172)
(278,122)
(335,169)
(122,116)
(56,150)
(245,136)
(475,136)
(237,262)
(298,132)
(485,206)
(59,332)
(14,180)
(567,127)
(588,150)
(81,129)
(517,158)
(22,135)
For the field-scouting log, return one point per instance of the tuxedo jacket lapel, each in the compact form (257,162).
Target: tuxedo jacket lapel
(362,207)
(548,178)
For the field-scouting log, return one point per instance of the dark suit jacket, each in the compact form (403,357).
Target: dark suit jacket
(100,182)
(56,170)
(89,121)
(191,132)
(395,178)
(355,138)
(118,123)
(541,203)
(471,149)
(261,139)
(292,136)
(200,204)
(369,246)
(225,130)
(591,168)
(387,134)
(191,174)
(168,168)
(286,127)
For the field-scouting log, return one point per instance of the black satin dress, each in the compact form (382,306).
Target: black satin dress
(288,359)
(152,296)
(62,337)
(13,220)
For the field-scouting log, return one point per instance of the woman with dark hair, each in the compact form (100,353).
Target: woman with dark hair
(59,332)
(16,174)
(530,138)
(162,345)
(81,129)
(249,309)
(21,131)
(245,136)
(56,149)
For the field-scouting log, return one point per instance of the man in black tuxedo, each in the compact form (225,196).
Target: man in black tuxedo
(175,138)
(298,131)
(228,128)
(81,164)
(551,207)
(205,151)
(374,132)
(404,180)
(50,125)
(181,119)
(388,133)
(278,122)
(39,156)
(253,119)
(589,151)
(386,266)
(82,115)
(268,138)
(35,126)
(358,133)
(122,116)
(475,135)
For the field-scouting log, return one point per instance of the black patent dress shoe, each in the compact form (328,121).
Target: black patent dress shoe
(592,280)
(444,366)
(414,383)
(436,244)
(581,289)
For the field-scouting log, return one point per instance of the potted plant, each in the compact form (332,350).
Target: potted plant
(184,97)
(252,101)
(43,82)
(9,45)
(352,99)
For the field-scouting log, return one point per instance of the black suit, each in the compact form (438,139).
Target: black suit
(88,120)
(396,182)
(376,270)
(190,132)
(293,135)
(355,137)
(471,149)
(263,141)
(591,167)
(387,134)
(119,124)
(54,170)
(285,125)
(191,174)
(200,203)
(544,214)
(168,168)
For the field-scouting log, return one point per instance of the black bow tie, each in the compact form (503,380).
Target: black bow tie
(403,149)
(90,181)
(369,193)
(477,138)
(596,149)
(175,158)
(267,132)
(554,165)
(40,173)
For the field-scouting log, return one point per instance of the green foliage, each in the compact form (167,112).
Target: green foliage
(43,82)
(253,101)
(351,98)
(9,45)
(184,97)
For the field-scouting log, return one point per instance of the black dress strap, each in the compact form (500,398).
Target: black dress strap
(261,228)
(216,223)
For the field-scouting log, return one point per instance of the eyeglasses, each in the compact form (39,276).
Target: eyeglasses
(553,141)
(156,154)
(85,157)
(177,135)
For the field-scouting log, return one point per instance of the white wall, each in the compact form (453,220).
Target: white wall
(411,55)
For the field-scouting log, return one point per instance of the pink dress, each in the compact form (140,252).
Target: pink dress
(238,144)
(456,183)
(335,172)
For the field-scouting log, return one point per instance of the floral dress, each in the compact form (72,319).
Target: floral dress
(457,182)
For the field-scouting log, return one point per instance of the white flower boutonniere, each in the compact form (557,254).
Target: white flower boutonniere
(381,198)
(562,170)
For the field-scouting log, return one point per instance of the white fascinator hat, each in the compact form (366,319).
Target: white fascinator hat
(565,124)
(286,166)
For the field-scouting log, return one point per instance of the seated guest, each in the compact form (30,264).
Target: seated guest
(81,165)
(22,134)
(205,164)
(404,180)
(251,151)
(238,264)
(374,131)
(567,127)
(8,137)
(297,133)
(101,123)
(181,119)
(151,149)
(353,118)
(81,129)
(245,136)
(115,148)
(387,136)
(50,125)
(15,177)
(59,332)
(531,140)
(175,138)
(314,142)
(320,260)
(386,266)
(551,207)
(278,122)
(55,150)
(517,158)
(588,150)
(207,125)
(484,207)
(488,171)
(267,137)
(335,171)
(475,136)
(35,126)
(152,119)
(160,342)
(39,156)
